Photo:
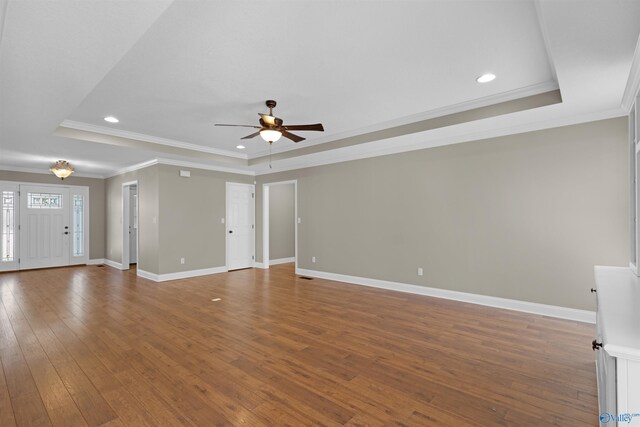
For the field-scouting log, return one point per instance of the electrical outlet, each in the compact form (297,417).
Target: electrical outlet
(181,260)
(419,271)
(221,220)
(313,259)
(299,220)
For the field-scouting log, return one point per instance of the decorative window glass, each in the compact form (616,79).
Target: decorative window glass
(78,225)
(44,201)
(8,226)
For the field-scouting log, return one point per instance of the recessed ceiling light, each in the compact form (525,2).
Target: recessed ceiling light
(111,119)
(486,78)
(240,147)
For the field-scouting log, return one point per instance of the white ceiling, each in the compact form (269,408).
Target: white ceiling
(169,70)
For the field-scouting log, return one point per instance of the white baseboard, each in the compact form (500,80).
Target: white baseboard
(113,264)
(96,261)
(181,274)
(258,265)
(281,261)
(147,275)
(509,304)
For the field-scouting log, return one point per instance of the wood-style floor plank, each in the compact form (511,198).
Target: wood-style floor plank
(6,410)
(59,404)
(94,345)
(27,404)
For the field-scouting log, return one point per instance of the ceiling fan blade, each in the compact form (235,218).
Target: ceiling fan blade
(253,135)
(317,127)
(294,138)
(240,126)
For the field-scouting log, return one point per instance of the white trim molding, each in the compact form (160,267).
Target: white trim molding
(180,163)
(87,127)
(147,275)
(633,82)
(259,265)
(96,261)
(181,274)
(509,304)
(46,171)
(282,260)
(420,141)
(113,264)
(485,101)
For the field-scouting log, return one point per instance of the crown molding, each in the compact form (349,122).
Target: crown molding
(70,124)
(426,115)
(180,163)
(47,172)
(196,165)
(418,141)
(633,82)
(134,167)
(545,38)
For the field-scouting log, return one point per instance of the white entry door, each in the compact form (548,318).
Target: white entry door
(44,226)
(240,225)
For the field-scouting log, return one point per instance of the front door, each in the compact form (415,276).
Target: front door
(240,225)
(44,226)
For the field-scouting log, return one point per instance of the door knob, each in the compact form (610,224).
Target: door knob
(230,231)
(595,345)
(66,232)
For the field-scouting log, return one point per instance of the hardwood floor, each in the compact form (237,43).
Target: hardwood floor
(97,346)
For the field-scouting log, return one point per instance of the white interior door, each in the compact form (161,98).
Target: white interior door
(240,225)
(44,226)
(133,226)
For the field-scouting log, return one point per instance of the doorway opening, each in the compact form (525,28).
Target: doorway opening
(129,224)
(280,223)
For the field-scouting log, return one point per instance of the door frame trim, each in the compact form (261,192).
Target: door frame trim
(226,222)
(126,244)
(265,220)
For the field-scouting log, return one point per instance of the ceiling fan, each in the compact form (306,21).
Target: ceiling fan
(272,128)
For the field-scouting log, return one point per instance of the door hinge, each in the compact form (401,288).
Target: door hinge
(253,257)
(18,260)
(252,195)
(252,226)
(19,226)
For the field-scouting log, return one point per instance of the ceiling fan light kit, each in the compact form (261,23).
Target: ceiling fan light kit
(270,135)
(272,128)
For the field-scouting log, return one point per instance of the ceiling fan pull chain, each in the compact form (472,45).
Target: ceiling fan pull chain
(270,155)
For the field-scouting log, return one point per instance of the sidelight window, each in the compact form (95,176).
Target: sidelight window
(8,226)
(78,225)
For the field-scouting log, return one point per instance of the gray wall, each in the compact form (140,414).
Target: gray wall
(523,216)
(190,213)
(148,217)
(281,221)
(97,198)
